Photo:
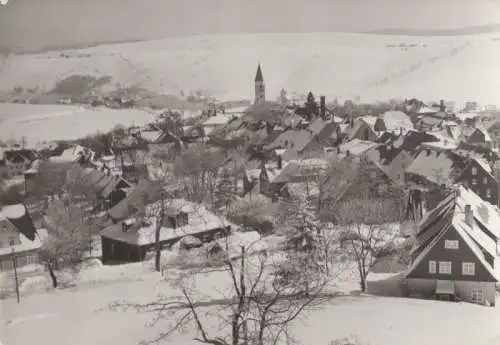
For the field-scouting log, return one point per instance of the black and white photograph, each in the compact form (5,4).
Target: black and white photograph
(249,172)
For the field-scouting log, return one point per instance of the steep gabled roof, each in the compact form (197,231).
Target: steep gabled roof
(436,167)
(481,236)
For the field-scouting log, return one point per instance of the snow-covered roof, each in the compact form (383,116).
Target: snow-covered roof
(485,215)
(444,143)
(357,147)
(370,120)
(219,119)
(395,120)
(200,220)
(151,136)
(69,155)
(26,244)
(236,110)
(464,116)
(427,110)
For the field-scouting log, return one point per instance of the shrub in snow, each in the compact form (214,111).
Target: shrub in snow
(252,213)
(351,340)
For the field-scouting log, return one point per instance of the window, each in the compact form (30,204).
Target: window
(468,268)
(450,244)
(485,180)
(474,171)
(7,265)
(445,267)
(112,248)
(432,267)
(477,296)
(488,193)
(12,241)
(474,182)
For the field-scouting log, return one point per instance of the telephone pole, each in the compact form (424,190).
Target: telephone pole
(14,265)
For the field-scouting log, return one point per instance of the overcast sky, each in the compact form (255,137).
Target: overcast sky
(36,24)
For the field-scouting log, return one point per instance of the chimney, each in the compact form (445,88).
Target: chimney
(322,107)
(469,216)
(442,106)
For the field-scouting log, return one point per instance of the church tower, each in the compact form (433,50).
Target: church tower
(260,87)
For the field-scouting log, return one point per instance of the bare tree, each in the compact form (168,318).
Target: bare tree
(68,236)
(265,298)
(367,232)
(198,168)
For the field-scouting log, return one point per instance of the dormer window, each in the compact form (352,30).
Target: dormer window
(127,224)
(178,220)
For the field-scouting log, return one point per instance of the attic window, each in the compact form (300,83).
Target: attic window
(451,244)
(12,241)
(474,171)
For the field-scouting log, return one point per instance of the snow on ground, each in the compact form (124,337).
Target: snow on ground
(58,122)
(72,316)
(79,315)
(335,64)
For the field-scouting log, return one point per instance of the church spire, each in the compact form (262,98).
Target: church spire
(258,76)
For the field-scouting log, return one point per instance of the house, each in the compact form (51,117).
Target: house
(478,176)
(428,123)
(108,188)
(468,150)
(14,244)
(298,142)
(475,136)
(131,239)
(433,168)
(456,254)
(395,121)
(296,178)
(396,152)
(358,129)
(75,153)
(17,161)
(355,147)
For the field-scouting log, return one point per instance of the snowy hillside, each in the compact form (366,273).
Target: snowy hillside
(335,64)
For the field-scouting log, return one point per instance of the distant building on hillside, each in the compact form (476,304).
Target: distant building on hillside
(260,87)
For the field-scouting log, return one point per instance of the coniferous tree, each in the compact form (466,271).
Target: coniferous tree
(224,193)
(311,106)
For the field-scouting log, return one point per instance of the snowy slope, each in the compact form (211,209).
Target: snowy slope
(335,64)
(70,316)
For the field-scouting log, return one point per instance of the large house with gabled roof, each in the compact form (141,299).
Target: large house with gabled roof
(456,254)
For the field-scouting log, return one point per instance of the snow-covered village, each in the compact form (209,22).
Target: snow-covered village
(248,212)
